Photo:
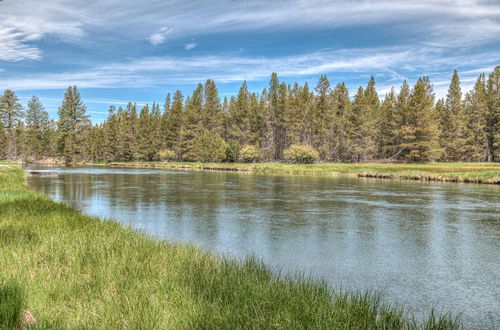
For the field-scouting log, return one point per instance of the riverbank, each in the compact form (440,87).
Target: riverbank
(67,270)
(488,173)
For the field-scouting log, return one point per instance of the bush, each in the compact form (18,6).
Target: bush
(11,305)
(301,154)
(208,147)
(166,154)
(233,151)
(250,154)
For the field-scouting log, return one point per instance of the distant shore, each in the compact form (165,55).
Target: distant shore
(486,173)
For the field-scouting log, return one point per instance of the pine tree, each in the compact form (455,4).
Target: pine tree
(212,120)
(277,113)
(453,122)
(341,128)
(193,123)
(174,125)
(37,130)
(323,119)
(401,118)
(239,127)
(474,126)
(386,128)
(3,143)
(11,114)
(300,115)
(357,133)
(371,104)
(420,131)
(492,116)
(72,124)
(110,135)
(156,130)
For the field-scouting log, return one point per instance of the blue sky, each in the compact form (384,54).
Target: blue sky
(117,51)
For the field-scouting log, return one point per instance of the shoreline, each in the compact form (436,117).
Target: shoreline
(479,173)
(77,271)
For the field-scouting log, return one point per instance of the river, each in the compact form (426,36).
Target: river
(422,245)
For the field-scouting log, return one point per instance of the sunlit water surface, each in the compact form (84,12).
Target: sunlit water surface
(420,244)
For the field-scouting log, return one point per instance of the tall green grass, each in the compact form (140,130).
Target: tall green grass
(78,272)
(11,305)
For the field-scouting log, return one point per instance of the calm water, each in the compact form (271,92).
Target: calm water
(419,244)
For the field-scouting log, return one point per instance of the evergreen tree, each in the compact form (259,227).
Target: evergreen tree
(145,133)
(323,119)
(110,135)
(3,143)
(420,131)
(402,119)
(174,124)
(474,107)
(239,117)
(72,124)
(11,114)
(357,132)
(193,123)
(212,120)
(277,114)
(341,125)
(38,130)
(453,122)
(492,116)
(386,128)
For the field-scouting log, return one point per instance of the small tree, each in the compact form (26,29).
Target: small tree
(233,151)
(208,147)
(166,155)
(250,154)
(301,154)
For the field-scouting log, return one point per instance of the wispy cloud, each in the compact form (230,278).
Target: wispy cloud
(158,37)
(20,28)
(189,46)
(162,71)
(455,23)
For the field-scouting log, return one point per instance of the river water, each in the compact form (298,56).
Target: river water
(422,245)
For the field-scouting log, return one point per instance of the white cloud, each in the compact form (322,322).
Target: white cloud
(158,37)
(457,23)
(21,27)
(387,64)
(189,46)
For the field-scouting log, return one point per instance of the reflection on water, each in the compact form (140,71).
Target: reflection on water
(420,244)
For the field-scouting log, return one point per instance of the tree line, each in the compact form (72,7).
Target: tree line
(407,125)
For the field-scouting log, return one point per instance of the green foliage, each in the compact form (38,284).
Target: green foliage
(250,154)
(301,154)
(11,305)
(39,130)
(166,155)
(11,115)
(233,151)
(72,125)
(207,147)
(407,126)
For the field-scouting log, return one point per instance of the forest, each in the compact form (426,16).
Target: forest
(282,123)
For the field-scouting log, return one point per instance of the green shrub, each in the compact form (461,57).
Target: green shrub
(250,154)
(233,151)
(301,154)
(208,147)
(166,154)
(11,305)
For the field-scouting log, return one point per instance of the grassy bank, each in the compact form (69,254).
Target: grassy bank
(68,271)
(446,172)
